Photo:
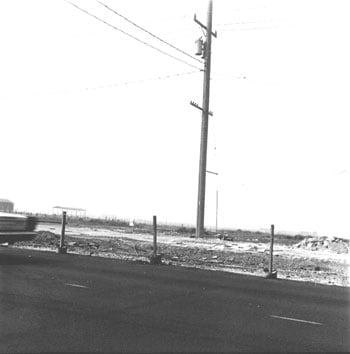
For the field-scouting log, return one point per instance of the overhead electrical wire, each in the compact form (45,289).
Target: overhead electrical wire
(227,75)
(249,29)
(243,23)
(131,36)
(64,91)
(148,32)
(142,80)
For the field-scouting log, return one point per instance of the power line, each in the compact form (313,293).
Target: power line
(148,32)
(131,36)
(142,80)
(126,83)
(242,23)
(227,75)
(249,29)
(249,8)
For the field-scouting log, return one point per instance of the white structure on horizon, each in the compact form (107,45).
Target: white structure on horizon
(57,210)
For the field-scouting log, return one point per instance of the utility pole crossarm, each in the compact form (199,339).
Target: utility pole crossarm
(194,104)
(203,26)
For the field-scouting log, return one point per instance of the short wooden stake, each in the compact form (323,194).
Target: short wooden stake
(155,258)
(62,248)
(272,274)
(154,235)
(271,248)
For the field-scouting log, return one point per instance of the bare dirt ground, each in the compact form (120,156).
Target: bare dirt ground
(322,260)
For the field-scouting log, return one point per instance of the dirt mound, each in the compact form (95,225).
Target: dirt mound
(334,244)
(47,237)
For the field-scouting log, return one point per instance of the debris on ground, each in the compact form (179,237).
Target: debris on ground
(334,244)
(321,260)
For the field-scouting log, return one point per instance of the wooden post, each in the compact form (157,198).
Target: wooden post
(155,258)
(63,229)
(62,248)
(272,274)
(217,206)
(271,249)
(154,235)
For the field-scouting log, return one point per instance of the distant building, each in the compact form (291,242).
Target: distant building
(6,206)
(57,210)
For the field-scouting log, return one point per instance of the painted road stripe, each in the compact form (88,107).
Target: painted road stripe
(297,320)
(76,285)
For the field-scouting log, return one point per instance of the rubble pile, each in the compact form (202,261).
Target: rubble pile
(334,244)
(47,237)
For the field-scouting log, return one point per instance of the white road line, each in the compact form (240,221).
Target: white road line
(297,320)
(76,285)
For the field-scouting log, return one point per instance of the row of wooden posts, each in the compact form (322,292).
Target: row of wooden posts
(156,258)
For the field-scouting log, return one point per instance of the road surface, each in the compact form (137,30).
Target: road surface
(66,303)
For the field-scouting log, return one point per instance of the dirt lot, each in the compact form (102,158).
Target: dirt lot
(321,260)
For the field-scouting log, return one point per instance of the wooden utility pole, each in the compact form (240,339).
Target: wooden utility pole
(205,121)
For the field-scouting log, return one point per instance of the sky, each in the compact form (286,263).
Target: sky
(92,118)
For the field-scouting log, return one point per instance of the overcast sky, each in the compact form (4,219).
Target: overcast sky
(94,119)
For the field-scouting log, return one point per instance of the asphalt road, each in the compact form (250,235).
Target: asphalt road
(67,303)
